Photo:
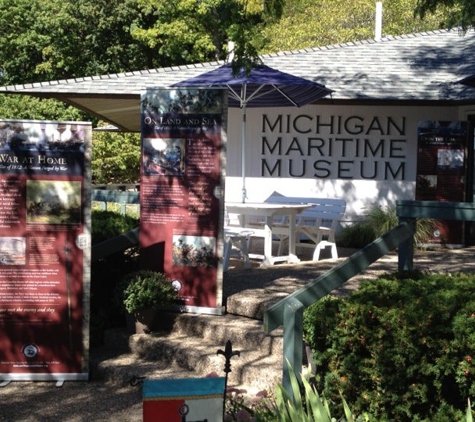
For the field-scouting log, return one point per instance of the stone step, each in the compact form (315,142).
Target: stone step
(243,332)
(190,350)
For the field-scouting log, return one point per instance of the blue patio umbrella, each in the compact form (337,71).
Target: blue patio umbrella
(469,81)
(262,87)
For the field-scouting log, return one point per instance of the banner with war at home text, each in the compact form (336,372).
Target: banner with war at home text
(182,191)
(44,249)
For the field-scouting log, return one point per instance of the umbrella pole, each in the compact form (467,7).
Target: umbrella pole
(243,153)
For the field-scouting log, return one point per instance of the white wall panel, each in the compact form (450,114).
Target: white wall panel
(364,154)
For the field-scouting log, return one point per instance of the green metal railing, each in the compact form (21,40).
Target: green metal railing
(289,311)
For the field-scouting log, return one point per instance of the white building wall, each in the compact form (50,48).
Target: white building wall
(363,154)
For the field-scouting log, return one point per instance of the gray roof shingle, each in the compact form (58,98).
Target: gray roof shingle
(417,67)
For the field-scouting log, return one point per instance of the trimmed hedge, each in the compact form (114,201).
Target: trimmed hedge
(401,348)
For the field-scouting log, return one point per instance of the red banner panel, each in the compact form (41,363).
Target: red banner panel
(442,168)
(182,191)
(44,250)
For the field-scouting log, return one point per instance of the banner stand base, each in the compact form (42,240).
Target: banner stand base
(5,379)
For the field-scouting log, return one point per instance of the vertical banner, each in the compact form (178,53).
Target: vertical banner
(182,191)
(44,250)
(442,171)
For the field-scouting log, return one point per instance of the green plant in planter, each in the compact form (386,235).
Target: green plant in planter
(146,289)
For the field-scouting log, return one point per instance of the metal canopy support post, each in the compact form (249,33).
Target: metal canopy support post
(243,152)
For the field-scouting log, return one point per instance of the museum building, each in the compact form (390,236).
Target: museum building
(398,124)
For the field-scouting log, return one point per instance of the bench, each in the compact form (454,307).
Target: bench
(315,227)
(236,239)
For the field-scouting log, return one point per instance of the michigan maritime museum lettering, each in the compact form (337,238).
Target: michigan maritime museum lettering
(336,147)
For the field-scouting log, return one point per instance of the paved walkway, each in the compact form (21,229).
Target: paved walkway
(261,287)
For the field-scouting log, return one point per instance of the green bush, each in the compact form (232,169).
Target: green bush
(107,224)
(375,223)
(400,348)
(143,289)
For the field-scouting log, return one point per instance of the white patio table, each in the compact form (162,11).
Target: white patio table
(269,211)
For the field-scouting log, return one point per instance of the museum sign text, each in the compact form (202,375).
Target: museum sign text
(336,147)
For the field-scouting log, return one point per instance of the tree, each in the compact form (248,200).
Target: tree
(26,107)
(458,12)
(115,157)
(188,31)
(59,39)
(328,22)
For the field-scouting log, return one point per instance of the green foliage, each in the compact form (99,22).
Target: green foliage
(237,408)
(400,348)
(25,107)
(378,221)
(145,289)
(188,31)
(457,12)
(108,224)
(356,235)
(59,39)
(305,404)
(115,158)
(310,23)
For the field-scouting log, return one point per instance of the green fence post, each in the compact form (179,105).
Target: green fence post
(406,247)
(293,341)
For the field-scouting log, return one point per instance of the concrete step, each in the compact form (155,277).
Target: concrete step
(190,350)
(243,332)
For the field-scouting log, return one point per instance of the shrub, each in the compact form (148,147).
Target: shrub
(400,348)
(107,224)
(378,221)
(144,289)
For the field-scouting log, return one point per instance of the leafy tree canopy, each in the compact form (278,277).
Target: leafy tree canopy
(58,39)
(189,31)
(328,22)
(115,157)
(457,12)
(31,108)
